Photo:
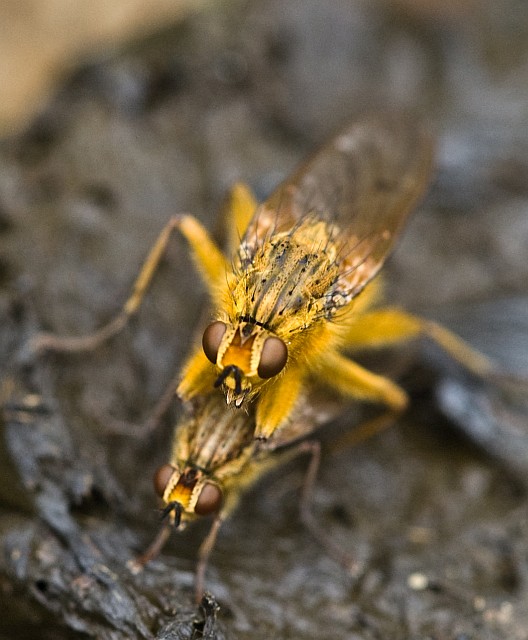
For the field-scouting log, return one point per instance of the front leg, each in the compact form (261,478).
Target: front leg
(352,380)
(392,326)
(276,402)
(209,259)
(198,376)
(241,206)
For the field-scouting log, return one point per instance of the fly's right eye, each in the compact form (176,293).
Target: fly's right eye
(212,338)
(161,478)
(209,500)
(273,357)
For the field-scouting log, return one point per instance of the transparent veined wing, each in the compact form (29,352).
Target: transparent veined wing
(363,184)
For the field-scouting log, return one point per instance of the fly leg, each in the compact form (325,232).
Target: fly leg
(388,326)
(137,564)
(210,262)
(343,558)
(240,207)
(354,381)
(204,553)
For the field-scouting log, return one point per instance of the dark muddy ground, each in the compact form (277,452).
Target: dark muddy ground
(242,92)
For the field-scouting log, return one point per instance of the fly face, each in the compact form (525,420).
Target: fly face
(186,494)
(245,354)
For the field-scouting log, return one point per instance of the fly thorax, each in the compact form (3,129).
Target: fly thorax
(292,291)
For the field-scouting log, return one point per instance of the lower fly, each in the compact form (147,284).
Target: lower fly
(215,458)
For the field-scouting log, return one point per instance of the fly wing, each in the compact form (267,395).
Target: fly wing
(363,183)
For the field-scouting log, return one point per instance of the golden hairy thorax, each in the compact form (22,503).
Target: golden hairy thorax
(296,277)
(288,283)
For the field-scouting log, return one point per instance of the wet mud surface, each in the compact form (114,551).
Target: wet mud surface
(435,508)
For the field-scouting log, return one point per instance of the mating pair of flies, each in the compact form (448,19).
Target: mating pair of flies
(296,290)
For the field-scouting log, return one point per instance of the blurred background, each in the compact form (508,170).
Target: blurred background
(113,117)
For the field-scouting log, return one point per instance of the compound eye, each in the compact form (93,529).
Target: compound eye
(212,338)
(161,478)
(273,357)
(209,500)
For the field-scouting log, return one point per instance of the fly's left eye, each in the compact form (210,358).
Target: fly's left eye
(161,478)
(209,500)
(273,357)
(212,338)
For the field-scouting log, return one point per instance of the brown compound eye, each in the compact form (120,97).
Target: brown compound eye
(161,478)
(209,500)
(273,357)
(212,338)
